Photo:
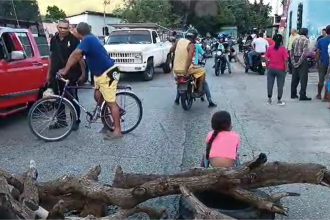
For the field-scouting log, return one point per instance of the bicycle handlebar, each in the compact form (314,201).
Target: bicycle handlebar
(60,77)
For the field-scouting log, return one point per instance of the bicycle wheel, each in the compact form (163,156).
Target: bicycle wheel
(126,115)
(53,116)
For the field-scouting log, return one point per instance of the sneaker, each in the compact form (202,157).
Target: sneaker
(280,103)
(75,126)
(212,105)
(269,102)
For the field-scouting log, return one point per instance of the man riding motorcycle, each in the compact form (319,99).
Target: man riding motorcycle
(184,54)
(259,45)
(223,49)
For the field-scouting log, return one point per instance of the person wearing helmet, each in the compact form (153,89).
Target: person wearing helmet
(184,53)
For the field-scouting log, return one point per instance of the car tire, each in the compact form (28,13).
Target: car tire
(168,65)
(149,73)
(225,205)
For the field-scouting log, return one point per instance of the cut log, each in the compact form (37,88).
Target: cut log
(89,198)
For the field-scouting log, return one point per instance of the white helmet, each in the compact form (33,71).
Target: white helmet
(48,92)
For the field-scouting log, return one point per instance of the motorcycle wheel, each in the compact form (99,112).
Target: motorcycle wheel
(223,68)
(262,71)
(186,101)
(216,69)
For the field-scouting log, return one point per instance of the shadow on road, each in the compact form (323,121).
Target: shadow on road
(12,119)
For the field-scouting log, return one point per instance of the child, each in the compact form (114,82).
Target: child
(222,143)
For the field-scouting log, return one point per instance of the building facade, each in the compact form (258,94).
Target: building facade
(314,15)
(96,20)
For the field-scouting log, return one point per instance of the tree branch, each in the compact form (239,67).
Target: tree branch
(200,210)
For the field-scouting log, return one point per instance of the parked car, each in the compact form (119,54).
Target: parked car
(139,49)
(23,71)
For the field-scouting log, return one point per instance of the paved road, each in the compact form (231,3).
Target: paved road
(169,139)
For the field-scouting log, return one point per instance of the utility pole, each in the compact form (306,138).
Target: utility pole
(105,3)
(14,9)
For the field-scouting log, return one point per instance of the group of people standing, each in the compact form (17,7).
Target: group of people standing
(293,59)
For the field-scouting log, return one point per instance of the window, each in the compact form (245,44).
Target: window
(154,37)
(290,22)
(24,41)
(300,16)
(2,51)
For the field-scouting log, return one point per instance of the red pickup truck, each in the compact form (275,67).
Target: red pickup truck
(23,71)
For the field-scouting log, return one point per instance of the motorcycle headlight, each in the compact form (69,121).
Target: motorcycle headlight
(219,53)
(207,46)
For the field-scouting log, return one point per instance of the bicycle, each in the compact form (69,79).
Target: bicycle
(53,103)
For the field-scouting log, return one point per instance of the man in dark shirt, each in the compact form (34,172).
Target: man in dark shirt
(61,47)
(324,33)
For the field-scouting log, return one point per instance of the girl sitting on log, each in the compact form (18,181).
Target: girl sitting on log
(222,142)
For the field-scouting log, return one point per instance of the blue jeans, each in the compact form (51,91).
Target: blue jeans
(228,63)
(250,56)
(206,89)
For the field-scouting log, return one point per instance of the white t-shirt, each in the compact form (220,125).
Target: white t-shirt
(260,45)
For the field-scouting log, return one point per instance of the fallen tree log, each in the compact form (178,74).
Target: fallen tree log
(89,199)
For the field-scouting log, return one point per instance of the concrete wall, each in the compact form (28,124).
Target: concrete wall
(95,21)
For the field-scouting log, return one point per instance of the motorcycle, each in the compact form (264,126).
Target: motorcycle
(187,88)
(207,47)
(220,63)
(258,62)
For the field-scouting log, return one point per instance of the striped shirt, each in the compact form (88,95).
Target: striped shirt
(299,49)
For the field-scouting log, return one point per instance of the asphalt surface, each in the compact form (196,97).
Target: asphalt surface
(170,139)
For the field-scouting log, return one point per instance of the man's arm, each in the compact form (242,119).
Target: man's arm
(317,55)
(304,54)
(253,44)
(172,50)
(74,58)
(51,49)
(77,55)
(191,52)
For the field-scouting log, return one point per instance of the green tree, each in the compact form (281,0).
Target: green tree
(54,13)
(22,10)
(148,11)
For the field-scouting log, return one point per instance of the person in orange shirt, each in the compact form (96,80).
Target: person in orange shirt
(270,41)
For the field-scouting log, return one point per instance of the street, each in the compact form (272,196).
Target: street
(170,139)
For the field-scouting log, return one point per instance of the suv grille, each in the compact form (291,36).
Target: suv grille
(126,57)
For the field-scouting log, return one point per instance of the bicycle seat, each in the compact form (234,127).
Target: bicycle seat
(124,87)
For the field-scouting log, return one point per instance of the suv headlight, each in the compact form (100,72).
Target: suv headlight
(138,58)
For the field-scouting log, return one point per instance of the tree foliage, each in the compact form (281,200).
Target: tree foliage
(20,9)
(54,13)
(180,13)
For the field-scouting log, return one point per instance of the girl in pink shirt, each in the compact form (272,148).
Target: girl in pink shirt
(222,143)
(277,57)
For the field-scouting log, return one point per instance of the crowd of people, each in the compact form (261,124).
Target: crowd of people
(292,58)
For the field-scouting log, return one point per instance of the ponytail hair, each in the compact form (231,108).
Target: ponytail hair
(221,121)
(209,144)
(278,38)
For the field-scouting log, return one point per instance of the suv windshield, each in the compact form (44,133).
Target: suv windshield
(129,37)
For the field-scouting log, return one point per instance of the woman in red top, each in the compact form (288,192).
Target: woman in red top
(277,57)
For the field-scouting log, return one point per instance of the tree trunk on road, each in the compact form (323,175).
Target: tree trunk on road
(22,197)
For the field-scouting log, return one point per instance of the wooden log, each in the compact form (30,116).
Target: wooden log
(200,210)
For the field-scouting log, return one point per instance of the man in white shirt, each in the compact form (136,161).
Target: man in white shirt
(259,45)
